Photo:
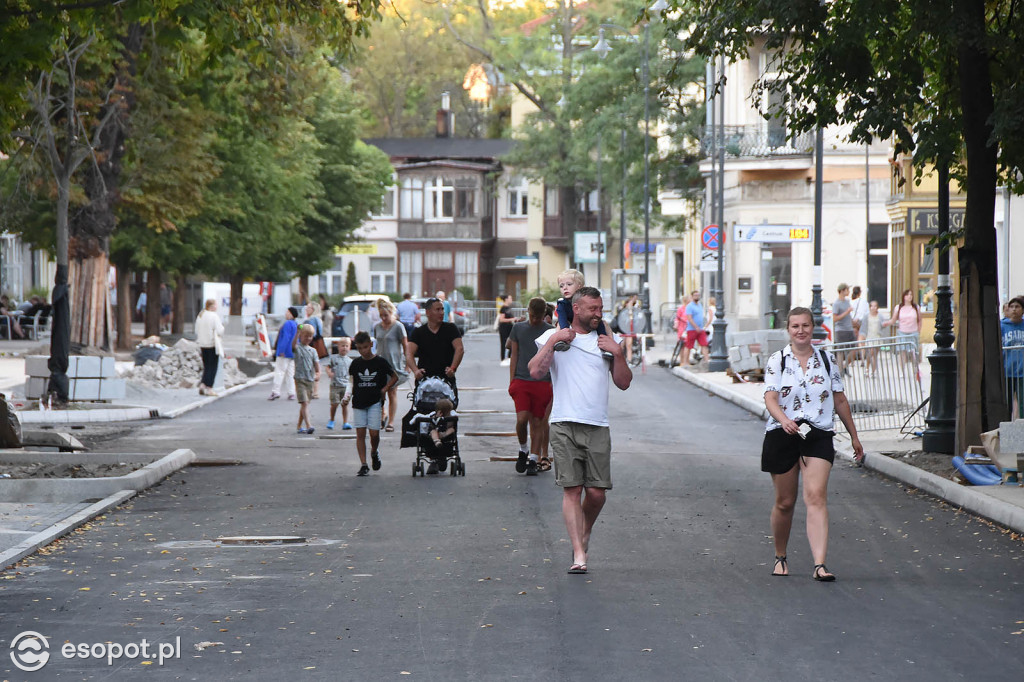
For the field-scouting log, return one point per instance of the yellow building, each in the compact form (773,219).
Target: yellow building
(913,223)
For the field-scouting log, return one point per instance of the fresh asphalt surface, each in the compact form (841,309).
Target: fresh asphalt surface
(444,578)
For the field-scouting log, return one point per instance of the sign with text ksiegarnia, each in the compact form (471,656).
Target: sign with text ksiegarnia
(772,233)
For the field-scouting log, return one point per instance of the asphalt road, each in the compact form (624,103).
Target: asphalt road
(445,578)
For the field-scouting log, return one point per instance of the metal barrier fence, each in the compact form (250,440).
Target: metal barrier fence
(1013,363)
(882,378)
(482,314)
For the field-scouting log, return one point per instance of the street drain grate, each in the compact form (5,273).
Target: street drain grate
(262,540)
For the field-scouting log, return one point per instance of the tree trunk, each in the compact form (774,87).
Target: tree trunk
(152,311)
(303,289)
(980,405)
(90,301)
(178,305)
(124,309)
(236,295)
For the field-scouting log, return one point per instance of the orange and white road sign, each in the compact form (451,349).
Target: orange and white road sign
(262,336)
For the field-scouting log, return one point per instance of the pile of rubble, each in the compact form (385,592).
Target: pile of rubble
(181,366)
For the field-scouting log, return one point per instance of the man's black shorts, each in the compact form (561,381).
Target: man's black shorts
(781,450)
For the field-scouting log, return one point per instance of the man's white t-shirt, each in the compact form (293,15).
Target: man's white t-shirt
(579,379)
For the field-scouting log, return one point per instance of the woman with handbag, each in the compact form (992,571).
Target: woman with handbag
(803,390)
(209,330)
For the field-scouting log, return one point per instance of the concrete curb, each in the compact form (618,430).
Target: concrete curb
(63,527)
(991,508)
(209,399)
(64,489)
(748,404)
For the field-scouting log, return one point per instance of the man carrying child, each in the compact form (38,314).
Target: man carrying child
(580,439)
(370,378)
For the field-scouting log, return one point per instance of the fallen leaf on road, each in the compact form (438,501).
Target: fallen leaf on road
(488,625)
(646,651)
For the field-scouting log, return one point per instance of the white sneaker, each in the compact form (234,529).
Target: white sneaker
(506,362)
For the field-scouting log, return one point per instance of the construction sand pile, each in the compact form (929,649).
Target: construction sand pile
(181,366)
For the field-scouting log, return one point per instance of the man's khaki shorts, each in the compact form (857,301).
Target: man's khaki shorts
(303,390)
(582,455)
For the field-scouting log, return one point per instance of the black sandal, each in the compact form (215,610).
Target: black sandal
(785,566)
(822,574)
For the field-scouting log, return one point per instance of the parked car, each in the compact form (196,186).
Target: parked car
(463,317)
(358,304)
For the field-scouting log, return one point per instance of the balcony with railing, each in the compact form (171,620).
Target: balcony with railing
(757,141)
(559,235)
(475,229)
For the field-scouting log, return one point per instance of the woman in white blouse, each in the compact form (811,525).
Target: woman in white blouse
(209,330)
(803,388)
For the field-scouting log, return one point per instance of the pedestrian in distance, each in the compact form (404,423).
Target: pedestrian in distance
(314,320)
(307,374)
(580,437)
(390,337)
(842,323)
(370,379)
(907,318)
(337,369)
(1011,329)
(165,308)
(803,391)
(532,397)
(449,312)
(408,313)
(284,358)
(696,334)
(209,332)
(505,321)
(872,328)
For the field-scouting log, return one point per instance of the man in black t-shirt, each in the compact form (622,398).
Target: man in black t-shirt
(370,378)
(434,349)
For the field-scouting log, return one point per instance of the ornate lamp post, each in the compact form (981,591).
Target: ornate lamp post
(940,435)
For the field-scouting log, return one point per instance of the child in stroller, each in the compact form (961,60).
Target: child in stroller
(435,423)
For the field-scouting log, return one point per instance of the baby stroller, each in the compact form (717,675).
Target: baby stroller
(421,420)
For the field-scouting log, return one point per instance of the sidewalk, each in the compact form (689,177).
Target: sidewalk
(1003,504)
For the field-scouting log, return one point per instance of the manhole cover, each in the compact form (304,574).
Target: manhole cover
(261,540)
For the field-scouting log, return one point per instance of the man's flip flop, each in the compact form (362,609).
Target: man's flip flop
(578,569)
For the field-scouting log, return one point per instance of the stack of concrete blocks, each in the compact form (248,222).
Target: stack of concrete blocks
(90,378)
(750,350)
(1011,449)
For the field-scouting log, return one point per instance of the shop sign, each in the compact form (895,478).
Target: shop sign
(926,220)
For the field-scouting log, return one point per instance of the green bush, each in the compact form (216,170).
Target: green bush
(468,293)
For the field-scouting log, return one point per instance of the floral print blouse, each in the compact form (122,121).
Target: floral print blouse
(803,395)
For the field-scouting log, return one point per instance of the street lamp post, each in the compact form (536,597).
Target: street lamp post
(940,435)
(818,335)
(718,361)
(603,48)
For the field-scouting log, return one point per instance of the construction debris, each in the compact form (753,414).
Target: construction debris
(181,366)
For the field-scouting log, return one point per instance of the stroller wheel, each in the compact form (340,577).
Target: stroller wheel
(454,469)
(415,466)
(462,469)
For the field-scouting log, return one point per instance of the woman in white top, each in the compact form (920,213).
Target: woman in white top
(209,330)
(803,388)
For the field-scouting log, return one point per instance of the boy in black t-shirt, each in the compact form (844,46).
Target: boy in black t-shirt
(370,378)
